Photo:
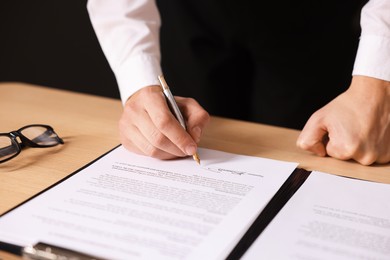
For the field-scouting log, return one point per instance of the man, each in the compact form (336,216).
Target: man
(354,125)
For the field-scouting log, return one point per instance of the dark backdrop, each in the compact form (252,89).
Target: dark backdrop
(52,43)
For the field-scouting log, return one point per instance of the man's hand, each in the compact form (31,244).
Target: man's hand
(355,125)
(148,127)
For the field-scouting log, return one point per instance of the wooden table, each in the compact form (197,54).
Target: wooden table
(88,125)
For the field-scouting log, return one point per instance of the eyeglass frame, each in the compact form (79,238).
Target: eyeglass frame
(27,142)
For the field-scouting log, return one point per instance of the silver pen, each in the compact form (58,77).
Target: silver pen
(174,108)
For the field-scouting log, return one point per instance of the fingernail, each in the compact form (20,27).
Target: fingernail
(197,132)
(190,149)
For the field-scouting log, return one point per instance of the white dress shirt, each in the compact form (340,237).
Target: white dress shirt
(373,56)
(128,32)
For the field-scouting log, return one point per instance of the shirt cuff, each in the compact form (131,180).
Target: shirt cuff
(135,73)
(373,57)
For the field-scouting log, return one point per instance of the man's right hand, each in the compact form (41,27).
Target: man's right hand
(148,127)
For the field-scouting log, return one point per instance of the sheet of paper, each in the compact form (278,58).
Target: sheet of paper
(126,206)
(329,217)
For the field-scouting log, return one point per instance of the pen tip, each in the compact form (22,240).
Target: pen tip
(196,158)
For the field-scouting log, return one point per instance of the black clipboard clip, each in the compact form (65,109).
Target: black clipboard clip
(43,251)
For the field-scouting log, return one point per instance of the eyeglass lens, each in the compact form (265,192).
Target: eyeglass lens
(7,147)
(40,135)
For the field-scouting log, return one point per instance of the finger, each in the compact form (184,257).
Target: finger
(168,125)
(347,151)
(313,137)
(366,158)
(363,152)
(134,141)
(197,118)
(341,149)
(382,149)
(155,137)
(384,158)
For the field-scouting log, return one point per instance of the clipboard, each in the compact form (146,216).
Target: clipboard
(44,250)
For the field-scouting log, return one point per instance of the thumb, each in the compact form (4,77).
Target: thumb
(313,137)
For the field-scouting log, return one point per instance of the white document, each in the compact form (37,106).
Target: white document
(329,217)
(126,206)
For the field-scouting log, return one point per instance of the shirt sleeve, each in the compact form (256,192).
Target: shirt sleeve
(373,56)
(128,32)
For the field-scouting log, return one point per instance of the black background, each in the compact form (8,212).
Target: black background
(52,43)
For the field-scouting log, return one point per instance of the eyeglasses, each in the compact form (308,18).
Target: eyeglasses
(36,135)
